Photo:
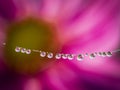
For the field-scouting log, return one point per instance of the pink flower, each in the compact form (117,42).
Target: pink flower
(65,26)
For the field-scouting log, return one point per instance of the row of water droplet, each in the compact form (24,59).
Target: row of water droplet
(58,56)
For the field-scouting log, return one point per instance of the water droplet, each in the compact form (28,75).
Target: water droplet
(28,51)
(92,56)
(70,56)
(42,54)
(109,54)
(50,55)
(96,53)
(64,56)
(17,49)
(86,54)
(104,54)
(99,54)
(58,56)
(80,57)
(23,50)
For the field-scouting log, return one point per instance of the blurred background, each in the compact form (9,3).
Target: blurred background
(59,26)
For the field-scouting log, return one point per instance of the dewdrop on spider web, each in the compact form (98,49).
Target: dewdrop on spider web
(109,54)
(17,49)
(50,55)
(28,51)
(58,56)
(80,57)
(86,54)
(104,54)
(64,56)
(42,54)
(96,53)
(23,50)
(70,56)
(99,54)
(92,56)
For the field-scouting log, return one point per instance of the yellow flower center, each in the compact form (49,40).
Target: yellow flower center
(31,34)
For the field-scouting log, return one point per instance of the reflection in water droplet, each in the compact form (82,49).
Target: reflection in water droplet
(43,54)
(99,54)
(50,55)
(104,54)
(58,56)
(64,56)
(70,56)
(92,56)
(109,54)
(17,49)
(80,57)
(28,51)
(23,50)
